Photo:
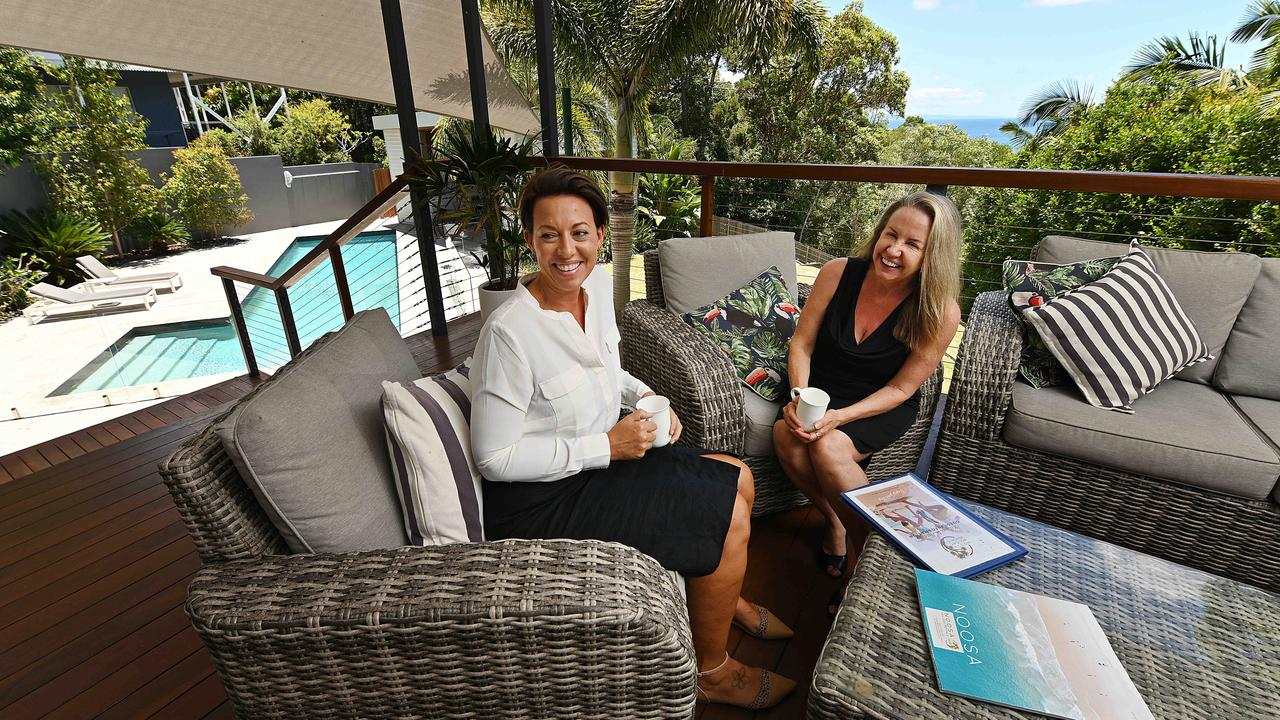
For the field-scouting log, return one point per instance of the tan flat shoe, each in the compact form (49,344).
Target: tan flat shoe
(773,689)
(769,627)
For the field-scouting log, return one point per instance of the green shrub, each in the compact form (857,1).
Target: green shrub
(16,275)
(232,145)
(56,239)
(311,134)
(159,231)
(204,190)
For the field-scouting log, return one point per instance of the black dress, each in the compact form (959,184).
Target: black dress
(672,504)
(849,371)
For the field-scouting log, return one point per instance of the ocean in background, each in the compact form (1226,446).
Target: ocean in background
(987,127)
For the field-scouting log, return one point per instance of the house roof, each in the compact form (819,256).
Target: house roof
(336,47)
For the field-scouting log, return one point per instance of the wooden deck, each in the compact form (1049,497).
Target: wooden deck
(94,565)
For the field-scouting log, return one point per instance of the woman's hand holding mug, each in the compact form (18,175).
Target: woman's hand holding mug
(632,436)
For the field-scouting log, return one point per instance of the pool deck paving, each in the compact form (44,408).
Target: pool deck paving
(36,359)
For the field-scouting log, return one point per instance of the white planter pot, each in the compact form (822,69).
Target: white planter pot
(491,299)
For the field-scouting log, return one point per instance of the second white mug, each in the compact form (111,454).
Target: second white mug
(812,406)
(660,408)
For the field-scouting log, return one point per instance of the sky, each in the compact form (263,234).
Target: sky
(984,58)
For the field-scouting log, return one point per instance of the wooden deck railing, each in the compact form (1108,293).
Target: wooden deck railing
(937,179)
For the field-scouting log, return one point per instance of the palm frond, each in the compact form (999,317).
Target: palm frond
(1201,60)
(1018,135)
(1052,109)
(1261,20)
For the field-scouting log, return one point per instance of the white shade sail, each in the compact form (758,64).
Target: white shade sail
(335,47)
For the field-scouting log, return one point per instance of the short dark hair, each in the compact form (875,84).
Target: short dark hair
(560,180)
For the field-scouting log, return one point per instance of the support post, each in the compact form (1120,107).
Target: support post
(566,104)
(242,330)
(406,110)
(475,65)
(546,76)
(340,280)
(287,321)
(706,221)
(936,189)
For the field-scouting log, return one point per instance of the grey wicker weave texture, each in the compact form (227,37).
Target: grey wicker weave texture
(676,361)
(1218,533)
(1196,646)
(483,630)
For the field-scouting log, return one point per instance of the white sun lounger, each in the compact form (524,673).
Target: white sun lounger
(62,301)
(100,275)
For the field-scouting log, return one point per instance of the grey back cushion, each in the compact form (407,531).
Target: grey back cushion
(1211,287)
(698,271)
(310,442)
(1250,363)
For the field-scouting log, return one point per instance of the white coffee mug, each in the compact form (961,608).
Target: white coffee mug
(660,408)
(812,406)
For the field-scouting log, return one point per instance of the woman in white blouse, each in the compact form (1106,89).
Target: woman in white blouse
(547,391)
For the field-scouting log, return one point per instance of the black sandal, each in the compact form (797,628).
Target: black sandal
(830,562)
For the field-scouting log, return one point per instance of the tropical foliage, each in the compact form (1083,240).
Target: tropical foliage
(21,127)
(55,239)
(88,161)
(475,181)
(204,190)
(159,231)
(17,273)
(631,50)
(313,132)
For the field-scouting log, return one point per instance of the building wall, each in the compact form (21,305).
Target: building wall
(153,99)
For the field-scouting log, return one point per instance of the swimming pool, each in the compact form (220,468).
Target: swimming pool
(176,351)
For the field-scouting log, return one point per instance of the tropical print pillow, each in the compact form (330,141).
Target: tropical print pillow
(1033,284)
(753,325)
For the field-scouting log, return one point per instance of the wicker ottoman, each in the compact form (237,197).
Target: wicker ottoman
(1196,645)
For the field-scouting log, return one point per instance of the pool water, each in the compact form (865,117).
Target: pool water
(176,351)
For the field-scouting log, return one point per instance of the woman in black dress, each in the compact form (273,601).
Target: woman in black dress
(874,329)
(557,462)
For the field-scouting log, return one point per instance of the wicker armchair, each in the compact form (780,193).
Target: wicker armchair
(1222,534)
(676,361)
(549,628)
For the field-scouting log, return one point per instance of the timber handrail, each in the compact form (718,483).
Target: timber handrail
(349,229)
(1237,187)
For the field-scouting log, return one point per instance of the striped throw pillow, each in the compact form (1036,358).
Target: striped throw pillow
(429,438)
(1121,335)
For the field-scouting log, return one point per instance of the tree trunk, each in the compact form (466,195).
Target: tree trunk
(622,206)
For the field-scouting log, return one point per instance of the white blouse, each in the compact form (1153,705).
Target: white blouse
(544,392)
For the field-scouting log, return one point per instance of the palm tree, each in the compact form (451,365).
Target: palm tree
(1262,22)
(1200,60)
(1048,113)
(629,49)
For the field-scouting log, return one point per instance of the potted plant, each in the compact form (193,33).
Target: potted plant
(475,181)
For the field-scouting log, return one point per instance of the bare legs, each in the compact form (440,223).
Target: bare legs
(822,470)
(715,599)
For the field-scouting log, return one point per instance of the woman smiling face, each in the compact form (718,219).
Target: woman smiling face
(565,241)
(899,251)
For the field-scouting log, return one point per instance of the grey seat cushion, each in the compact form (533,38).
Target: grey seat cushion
(1265,415)
(699,271)
(761,415)
(310,441)
(1250,363)
(1211,287)
(1182,431)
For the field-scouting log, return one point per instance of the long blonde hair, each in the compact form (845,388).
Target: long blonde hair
(938,284)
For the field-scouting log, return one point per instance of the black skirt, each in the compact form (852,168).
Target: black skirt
(673,505)
(875,433)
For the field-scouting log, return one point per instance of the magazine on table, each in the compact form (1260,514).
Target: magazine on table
(1024,651)
(931,528)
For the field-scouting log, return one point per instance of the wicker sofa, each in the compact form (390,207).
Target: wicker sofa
(716,409)
(1190,476)
(550,628)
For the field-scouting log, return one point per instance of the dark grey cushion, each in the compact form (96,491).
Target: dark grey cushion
(1265,415)
(699,271)
(1166,437)
(310,442)
(1250,363)
(1210,286)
